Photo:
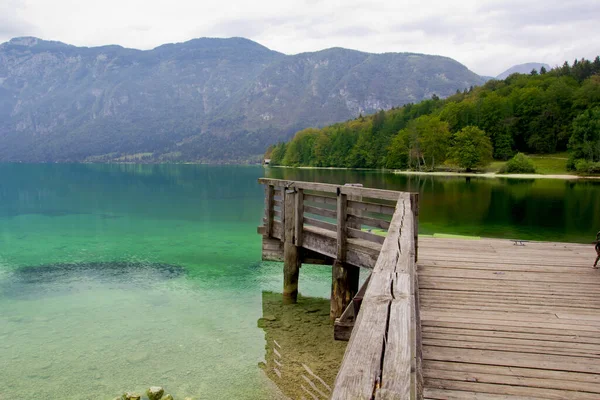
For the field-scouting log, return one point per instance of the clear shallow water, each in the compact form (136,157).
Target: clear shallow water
(182,311)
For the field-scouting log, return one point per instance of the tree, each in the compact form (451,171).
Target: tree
(423,144)
(277,153)
(543,70)
(585,140)
(472,148)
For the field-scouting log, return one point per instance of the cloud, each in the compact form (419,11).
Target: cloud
(11,23)
(486,35)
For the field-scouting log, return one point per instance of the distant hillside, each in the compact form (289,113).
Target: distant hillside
(208,100)
(523,69)
(551,112)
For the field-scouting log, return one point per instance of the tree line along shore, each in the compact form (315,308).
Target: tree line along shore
(553,116)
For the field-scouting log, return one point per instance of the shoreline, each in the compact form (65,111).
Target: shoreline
(456,174)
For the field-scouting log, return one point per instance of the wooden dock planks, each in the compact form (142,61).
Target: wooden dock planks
(509,322)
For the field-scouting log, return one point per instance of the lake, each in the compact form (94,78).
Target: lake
(120,277)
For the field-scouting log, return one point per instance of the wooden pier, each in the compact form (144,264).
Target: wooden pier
(475,319)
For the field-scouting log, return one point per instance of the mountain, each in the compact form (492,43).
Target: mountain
(523,69)
(205,100)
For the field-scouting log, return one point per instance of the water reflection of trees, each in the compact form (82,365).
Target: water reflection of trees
(539,209)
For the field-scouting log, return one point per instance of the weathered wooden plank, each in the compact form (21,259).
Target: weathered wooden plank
(493,357)
(359,234)
(550,376)
(277,230)
(324,242)
(512,380)
(414,206)
(320,224)
(272,249)
(329,188)
(510,390)
(344,286)
(343,325)
(390,285)
(342,202)
(396,372)
(359,371)
(299,217)
(372,222)
(323,212)
(441,394)
(269,211)
(355,208)
(316,199)
(291,267)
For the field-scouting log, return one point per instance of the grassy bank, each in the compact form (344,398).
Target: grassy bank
(547,164)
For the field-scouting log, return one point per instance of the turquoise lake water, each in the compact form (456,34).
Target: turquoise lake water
(119,277)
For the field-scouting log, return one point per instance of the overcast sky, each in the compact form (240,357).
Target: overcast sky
(487,36)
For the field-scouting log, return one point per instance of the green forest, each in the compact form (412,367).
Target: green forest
(544,112)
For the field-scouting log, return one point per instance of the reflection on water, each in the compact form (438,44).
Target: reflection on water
(535,209)
(302,358)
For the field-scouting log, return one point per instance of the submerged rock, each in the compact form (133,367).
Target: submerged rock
(155,393)
(36,281)
(131,396)
(168,397)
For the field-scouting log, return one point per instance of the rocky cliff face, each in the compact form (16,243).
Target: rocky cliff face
(214,100)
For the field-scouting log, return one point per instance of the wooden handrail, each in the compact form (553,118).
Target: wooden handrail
(382,357)
(329,188)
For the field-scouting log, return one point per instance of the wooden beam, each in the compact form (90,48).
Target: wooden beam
(359,234)
(269,210)
(329,188)
(414,205)
(323,212)
(342,328)
(380,361)
(342,203)
(372,222)
(299,217)
(344,286)
(320,224)
(291,254)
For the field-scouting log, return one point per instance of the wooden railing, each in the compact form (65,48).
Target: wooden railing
(333,224)
(383,357)
(332,220)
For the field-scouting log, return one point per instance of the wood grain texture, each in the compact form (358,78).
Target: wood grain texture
(291,254)
(504,322)
(380,357)
(329,188)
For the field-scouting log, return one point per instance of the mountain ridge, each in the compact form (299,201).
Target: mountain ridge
(525,68)
(202,100)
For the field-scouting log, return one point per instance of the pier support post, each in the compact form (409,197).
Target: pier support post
(291,254)
(344,277)
(344,286)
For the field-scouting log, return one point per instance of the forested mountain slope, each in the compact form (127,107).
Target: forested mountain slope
(536,113)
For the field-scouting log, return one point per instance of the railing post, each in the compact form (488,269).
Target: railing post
(291,255)
(269,209)
(344,278)
(342,204)
(299,217)
(414,204)
(416,308)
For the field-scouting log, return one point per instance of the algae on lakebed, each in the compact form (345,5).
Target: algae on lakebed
(299,345)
